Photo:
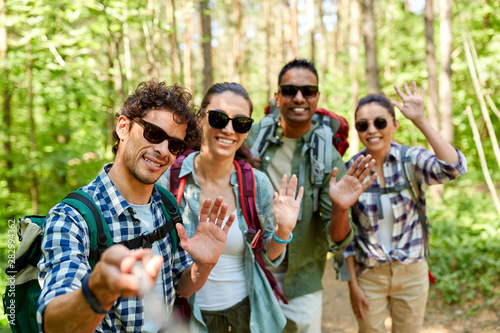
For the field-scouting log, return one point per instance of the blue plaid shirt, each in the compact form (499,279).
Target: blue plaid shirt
(66,246)
(407,234)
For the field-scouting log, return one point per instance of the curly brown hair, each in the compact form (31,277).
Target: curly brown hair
(154,95)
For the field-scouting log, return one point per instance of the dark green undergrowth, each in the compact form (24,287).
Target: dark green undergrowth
(465,245)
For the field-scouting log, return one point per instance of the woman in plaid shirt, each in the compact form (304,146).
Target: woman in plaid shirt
(386,260)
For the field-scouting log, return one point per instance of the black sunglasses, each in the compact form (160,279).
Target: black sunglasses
(156,135)
(289,90)
(219,119)
(379,123)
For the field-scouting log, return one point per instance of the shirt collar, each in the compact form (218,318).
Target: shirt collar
(112,196)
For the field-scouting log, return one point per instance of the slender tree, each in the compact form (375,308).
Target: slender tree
(432,90)
(172,40)
(354,33)
(370,39)
(446,38)
(311,22)
(188,11)
(206,43)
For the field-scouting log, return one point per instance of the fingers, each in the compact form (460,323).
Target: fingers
(300,195)
(369,181)
(205,209)
(407,89)
(283,185)
(422,91)
(353,167)
(367,170)
(219,208)
(333,175)
(292,187)
(229,222)
(361,167)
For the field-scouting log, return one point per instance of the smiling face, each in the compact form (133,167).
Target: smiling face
(226,141)
(377,141)
(297,111)
(141,159)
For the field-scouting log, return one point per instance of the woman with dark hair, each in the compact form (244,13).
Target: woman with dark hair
(237,296)
(386,259)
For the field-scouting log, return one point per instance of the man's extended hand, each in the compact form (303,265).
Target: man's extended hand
(347,190)
(286,207)
(206,246)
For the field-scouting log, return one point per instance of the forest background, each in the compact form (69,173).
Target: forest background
(67,66)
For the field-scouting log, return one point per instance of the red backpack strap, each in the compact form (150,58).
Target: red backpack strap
(176,185)
(246,182)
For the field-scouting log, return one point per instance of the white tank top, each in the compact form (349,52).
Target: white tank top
(226,284)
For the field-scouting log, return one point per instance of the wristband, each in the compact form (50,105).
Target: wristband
(90,298)
(282,241)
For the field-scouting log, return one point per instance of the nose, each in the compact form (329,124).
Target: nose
(229,127)
(371,127)
(298,97)
(162,149)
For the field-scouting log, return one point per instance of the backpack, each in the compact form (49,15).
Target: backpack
(246,181)
(23,289)
(411,183)
(332,128)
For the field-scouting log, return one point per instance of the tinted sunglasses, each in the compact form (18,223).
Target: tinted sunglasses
(379,123)
(156,135)
(289,90)
(219,119)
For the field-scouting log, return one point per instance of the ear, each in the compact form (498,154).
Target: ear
(396,124)
(317,96)
(122,126)
(276,97)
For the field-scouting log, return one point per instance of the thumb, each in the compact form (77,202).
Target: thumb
(181,231)
(396,104)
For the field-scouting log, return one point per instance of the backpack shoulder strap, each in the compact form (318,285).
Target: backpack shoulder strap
(100,236)
(246,185)
(265,135)
(172,214)
(410,178)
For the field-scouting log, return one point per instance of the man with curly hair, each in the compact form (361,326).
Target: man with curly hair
(156,124)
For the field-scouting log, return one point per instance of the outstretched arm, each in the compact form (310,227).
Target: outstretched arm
(205,247)
(413,109)
(110,279)
(346,192)
(286,210)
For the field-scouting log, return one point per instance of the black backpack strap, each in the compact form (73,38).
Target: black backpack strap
(100,236)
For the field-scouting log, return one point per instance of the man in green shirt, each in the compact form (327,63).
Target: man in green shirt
(318,228)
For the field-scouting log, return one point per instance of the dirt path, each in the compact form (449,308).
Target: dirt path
(440,318)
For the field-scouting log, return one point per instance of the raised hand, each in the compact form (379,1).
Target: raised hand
(206,245)
(413,102)
(347,190)
(286,207)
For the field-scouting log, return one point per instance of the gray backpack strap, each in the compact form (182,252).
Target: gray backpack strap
(320,154)
(302,174)
(412,182)
(264,136)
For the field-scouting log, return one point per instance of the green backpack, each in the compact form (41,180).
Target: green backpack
(23,290)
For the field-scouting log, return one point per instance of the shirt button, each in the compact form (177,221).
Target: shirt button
(136,223)
(267,158)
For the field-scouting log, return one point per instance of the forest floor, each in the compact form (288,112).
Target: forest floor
(440,317)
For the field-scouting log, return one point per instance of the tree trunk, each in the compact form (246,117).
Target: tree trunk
(172,39)
(370,38)
(311,14)
(446,38)
(6,107)
(354,33)
(432,91)
(237,54)
(323,53)
(287,25)
(267,20)
(34,178)
(126,49)
(387,43)
(294,28)
(279,40)
(188,12)
(342,29)
(206,43)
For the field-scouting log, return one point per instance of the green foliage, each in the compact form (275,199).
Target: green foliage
(465,244)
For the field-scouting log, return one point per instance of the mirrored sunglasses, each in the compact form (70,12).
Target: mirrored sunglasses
(219,120)
(289,90)
(379,123)
(156,135)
